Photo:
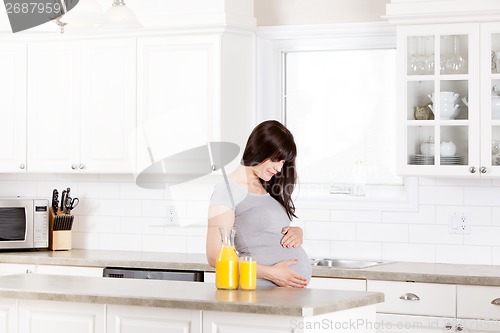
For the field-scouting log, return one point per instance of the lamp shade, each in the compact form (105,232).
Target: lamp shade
(119,16)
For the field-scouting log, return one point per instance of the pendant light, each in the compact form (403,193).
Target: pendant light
(119,16)
(86,16)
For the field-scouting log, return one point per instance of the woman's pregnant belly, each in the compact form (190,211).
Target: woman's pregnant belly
(271,255)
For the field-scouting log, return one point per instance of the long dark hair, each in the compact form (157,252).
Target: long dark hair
(272,140)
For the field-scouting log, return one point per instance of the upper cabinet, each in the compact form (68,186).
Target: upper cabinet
(13,106)
(449,85)
(193,88)
(81,106)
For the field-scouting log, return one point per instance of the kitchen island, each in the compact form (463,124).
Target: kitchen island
(57,303)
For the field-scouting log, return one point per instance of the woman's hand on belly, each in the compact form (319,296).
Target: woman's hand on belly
(281,275)
(292,237)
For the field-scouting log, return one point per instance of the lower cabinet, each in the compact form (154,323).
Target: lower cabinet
(9,269)
(389,323)
(127,319)
(8,315)
(478,308)
(69,270)
(413,306)
(61,317)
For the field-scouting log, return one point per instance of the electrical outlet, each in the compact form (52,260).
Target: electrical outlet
(459,223)
(171,215)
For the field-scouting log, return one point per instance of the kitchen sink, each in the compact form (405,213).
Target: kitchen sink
(343,263)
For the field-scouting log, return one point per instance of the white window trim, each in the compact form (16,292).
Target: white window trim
(272,44)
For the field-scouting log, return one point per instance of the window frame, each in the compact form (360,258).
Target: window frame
(272,45)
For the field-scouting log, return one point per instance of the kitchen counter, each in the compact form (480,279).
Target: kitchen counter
(182,295)
(398,271)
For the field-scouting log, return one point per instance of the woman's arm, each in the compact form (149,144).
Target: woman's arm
(218,216)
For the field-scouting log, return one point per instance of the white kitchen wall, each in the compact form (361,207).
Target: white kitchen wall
(116,214)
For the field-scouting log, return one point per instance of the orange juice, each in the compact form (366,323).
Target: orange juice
(226,268)
(248,273)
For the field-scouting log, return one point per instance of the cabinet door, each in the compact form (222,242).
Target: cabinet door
(415,298)
(387,323)
(108,99)
(8,315)
(9,269)
(478,326)
(53,106)
(178,89)
(490,99)
(125,319)
(61,317)
(69,270)
(439,99)
(13,107)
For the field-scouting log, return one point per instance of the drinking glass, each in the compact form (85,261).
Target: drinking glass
(456,63)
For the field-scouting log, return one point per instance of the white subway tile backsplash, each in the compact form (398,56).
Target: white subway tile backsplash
(330,231)
(312,214)
(479,196)
(356,250)
(463,254)
(355,216)
(434,234)
(382,232)
(408,252)
(425,215)
(441,195)
(317,248)
(115,213)
(478,215)
(164,243)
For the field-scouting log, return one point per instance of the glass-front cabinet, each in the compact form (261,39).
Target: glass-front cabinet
(447,99)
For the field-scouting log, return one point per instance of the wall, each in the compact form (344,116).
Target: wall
(116,214)
(285,12)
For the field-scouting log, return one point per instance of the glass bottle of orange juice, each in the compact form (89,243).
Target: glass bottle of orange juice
(226,266)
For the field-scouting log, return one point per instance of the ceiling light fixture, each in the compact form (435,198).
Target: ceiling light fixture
(119,16)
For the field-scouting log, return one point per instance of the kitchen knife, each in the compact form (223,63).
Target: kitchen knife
(63,200)
(55,201)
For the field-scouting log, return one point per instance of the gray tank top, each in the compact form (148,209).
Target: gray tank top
(259,219)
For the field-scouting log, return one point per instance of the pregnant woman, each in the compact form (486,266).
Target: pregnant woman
(257,202)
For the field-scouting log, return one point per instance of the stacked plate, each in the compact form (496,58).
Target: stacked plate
(420,159)
(451,160)
(429,160)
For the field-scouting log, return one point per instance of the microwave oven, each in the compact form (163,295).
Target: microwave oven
(24,223)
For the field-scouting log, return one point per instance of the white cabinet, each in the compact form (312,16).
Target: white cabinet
(13,106)
(8,315)
(9,269)
(411,306)
(478,308)
(125,319)
(69,270)
(337,284)
(81,106)
(387,323)
(192,89)
(61,317)
(440,65)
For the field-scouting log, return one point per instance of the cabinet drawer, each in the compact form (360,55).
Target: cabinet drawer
(475,302)
(421,298)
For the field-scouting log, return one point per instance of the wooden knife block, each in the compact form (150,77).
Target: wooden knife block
(59,240)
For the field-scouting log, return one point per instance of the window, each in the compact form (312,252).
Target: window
(341,107)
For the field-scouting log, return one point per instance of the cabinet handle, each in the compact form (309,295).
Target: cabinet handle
(81,166)
(483,169)
(448,326)
(496,301)
(22,166)
(409,297)
(73,166)
(472,169)
(460,328)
